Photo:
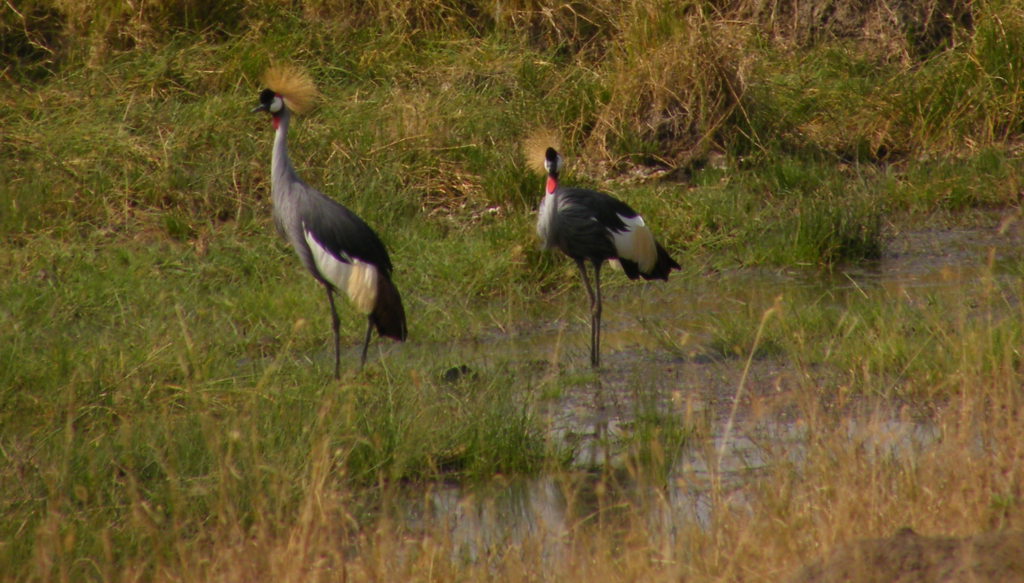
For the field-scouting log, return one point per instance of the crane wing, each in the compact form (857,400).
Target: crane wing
(632,238)
(605,208)
(342,233)
(343,251)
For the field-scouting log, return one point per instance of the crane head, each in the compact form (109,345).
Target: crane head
(269,102)
(293,86)
(552,162)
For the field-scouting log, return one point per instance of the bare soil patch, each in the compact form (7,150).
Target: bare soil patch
(908,557)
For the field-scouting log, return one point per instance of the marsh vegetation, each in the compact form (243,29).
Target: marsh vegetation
(839,358)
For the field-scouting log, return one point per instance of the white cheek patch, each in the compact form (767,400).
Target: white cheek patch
(636,243)
(356,278)
(557,165)
(276,104)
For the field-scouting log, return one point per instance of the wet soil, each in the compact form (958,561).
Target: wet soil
(908,557)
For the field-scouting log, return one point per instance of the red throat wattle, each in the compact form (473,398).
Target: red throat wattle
(276,122)
(552,184)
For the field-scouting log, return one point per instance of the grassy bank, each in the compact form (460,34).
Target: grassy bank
(178,463)
(165,408)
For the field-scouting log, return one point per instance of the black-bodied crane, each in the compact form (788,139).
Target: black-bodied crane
(335,246)
(594,226)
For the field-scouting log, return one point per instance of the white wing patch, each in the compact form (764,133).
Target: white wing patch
(357,278)
(636,243)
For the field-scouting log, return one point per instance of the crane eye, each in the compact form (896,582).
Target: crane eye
(276,105)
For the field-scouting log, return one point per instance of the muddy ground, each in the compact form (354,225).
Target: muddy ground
(908,557)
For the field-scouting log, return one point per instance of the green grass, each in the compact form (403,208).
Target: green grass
(164,361)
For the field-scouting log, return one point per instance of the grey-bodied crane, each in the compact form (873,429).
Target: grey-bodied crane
(594,226)
(338,249)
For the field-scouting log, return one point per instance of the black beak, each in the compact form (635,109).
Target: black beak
(260,107)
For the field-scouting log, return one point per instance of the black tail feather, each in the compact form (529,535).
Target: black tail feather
(388,313)
(663,266)
(630,268)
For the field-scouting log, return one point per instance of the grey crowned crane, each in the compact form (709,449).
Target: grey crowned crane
(337,248)
(593,226)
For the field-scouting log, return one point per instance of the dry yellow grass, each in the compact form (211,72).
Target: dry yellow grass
(843,479)
(674,88)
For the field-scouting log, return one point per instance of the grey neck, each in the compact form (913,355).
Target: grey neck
(281,167)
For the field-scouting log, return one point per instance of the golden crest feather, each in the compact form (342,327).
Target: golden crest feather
(536,144)
(294,85)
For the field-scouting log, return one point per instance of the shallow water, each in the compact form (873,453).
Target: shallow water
(917,263)
(657,340)
(492,516)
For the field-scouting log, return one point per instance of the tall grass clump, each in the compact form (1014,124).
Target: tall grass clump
(845,100)
(674,81)
(969,94)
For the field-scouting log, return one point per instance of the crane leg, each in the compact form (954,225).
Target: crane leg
(366,341)
(595,352)
(593,304)
(335,325)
